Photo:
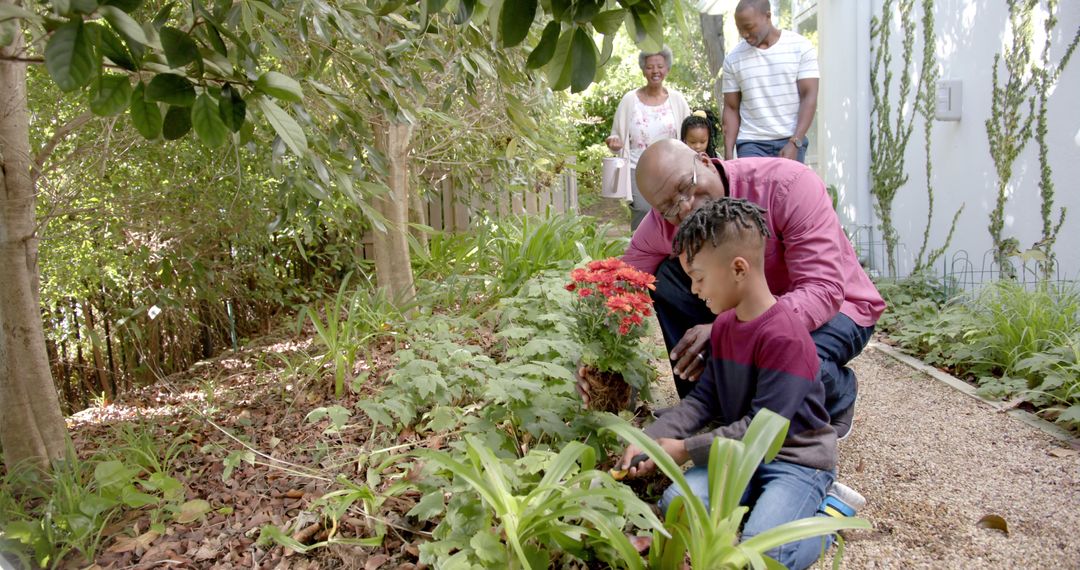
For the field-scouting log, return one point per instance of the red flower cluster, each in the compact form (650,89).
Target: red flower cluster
(622,292)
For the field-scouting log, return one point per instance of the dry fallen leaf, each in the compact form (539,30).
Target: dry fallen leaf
(128,544)
(376,561)
(995,522)
(1062,452)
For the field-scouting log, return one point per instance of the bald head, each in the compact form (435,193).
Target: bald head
(655,167)
(672,177)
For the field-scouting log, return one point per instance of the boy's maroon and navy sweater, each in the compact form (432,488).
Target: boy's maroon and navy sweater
(770,362)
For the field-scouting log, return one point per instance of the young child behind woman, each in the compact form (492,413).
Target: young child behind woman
(699,132)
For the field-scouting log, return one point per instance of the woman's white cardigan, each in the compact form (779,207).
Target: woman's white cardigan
(620,127)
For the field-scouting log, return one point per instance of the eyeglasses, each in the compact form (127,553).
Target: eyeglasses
(684,195)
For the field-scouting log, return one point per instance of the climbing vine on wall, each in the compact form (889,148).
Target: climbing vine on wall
(1046,76)
(1021,89)
(891,122)
(926,103)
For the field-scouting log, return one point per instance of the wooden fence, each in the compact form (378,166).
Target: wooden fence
(452,208)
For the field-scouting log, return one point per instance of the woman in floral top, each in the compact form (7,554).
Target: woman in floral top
(646,115)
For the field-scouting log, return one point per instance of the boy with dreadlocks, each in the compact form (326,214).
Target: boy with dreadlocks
(762,358)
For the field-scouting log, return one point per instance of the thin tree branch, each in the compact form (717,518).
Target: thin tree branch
(58,137)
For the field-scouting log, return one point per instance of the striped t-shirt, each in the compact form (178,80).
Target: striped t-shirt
(766,78)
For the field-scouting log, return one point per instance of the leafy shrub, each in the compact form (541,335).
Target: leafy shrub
(49,519)
(345,324)
(499,255)
(1011,340)
(1012,324)
(525,520)
(710,536)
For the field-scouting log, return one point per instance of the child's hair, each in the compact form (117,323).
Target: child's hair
(706,119)
(720,221)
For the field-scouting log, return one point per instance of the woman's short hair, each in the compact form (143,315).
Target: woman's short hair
(666,52)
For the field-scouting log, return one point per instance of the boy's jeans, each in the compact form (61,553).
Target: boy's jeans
(745,148)
(779,492)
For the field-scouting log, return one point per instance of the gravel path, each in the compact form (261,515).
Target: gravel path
(932,462)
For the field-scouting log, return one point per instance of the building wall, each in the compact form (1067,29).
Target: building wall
(969,33)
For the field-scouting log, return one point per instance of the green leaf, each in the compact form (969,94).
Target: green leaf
(145,115)
(430,506)
(215,40)
(585,10)
(135,499)
(515,20)
(112,95)
(559,68)
(171,89)
(1070,415)
(177,123)
(125,5)
(113,474)
(192,511)
(83,7)
(545,48)
(488,547)
(180,49)
(94,505)
(111,46)
(207,122)
(124,24)
(286,127)
(232,108)
(465,11)
(69,58)
(609,21)
(582,60)
(280,86)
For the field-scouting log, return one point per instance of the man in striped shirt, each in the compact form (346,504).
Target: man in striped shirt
(770,87)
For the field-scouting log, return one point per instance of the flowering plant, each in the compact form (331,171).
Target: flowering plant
(611,304)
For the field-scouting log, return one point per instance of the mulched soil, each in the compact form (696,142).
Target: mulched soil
(931,462)
(236,403)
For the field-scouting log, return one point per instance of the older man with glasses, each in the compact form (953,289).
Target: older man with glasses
(809,262)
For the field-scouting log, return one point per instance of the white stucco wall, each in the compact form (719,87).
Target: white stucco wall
(969,33)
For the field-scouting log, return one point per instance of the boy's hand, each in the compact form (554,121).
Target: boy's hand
(689,353)
(676,448)
(626,463)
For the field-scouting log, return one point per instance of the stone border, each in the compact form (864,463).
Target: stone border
(967,389)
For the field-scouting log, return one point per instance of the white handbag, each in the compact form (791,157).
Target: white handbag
(615,178)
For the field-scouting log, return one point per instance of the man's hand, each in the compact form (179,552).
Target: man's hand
(614,143)
(789,151)
(676,448)
(689,353)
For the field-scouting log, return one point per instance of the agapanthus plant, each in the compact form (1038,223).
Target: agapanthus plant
(611,305)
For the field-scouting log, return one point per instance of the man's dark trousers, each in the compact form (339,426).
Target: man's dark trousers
(838,340)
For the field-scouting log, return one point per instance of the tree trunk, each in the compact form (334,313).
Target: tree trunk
(393,268)
(712,34)
(32,428)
